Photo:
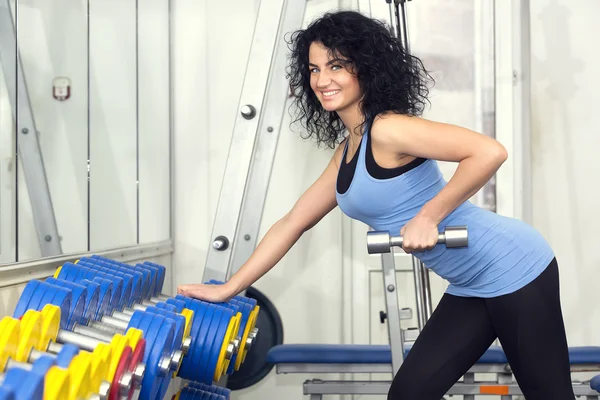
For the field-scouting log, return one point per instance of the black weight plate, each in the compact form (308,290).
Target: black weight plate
(270,333)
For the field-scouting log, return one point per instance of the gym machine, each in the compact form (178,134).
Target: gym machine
(239,211)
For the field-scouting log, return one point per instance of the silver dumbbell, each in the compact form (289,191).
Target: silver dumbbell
(382,242)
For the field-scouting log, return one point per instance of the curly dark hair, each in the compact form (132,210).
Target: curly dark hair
(390,79)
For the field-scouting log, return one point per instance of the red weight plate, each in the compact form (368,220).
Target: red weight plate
(138,355)
(122,367)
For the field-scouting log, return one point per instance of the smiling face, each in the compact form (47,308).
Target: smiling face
(335,86)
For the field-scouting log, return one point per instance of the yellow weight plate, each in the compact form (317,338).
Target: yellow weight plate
(101,358)
(226,340)
(189,318)
(29,337)
(57,272)
(9,339)
(241,357)
(234,334)
(57,384)
(118,344)
(133,336)
(80,376)
(50,325)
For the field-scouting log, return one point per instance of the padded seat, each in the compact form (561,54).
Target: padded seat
(595,383)
(381,354)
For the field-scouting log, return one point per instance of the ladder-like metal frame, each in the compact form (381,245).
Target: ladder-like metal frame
(28,146)
(254,141)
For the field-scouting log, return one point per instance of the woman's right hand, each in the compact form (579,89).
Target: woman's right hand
(209,293)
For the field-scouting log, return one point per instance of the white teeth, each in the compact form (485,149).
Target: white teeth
(327,94)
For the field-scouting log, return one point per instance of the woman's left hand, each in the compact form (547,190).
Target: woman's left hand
(419,234)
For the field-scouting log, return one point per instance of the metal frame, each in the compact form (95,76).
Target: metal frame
(27,138)
(469,387)
(503,387)
(18,273)
(256,132)
(512,96)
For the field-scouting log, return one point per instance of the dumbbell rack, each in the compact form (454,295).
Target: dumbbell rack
(142,350)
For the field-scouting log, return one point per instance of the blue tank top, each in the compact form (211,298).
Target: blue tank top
(504,254)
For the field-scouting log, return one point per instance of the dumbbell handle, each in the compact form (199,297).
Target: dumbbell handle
(120,320)
(382,242)
(104,333)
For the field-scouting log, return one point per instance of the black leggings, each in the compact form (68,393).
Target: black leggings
(531,330)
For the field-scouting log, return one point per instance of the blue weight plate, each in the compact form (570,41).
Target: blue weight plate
(170,325)
(164,306)
(153,275)
(41,297)
(62,298)
(206,395)
(136,279)
(80,293)
(207,334)
(78,298)
(113,291)
(248,300)
(6,393)
(217,342)
(80,274)
(66,354)
(201,353)
(93,298)
(220,390)
(102,301)
(187,394)
(24,384)
(136,320)
(157,347)
(190,365)
(146,281)
(161,276)
(178,320)
(157,285)
(201,395)
(42,365)
(143,321)
(187,367)
(118,282)
(130,291)
(177,303)
(70,274)
(22,304)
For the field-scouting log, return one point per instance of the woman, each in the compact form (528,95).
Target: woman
(349,75)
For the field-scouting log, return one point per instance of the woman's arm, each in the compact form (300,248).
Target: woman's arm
(318,200)
(478,157)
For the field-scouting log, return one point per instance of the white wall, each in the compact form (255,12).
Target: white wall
(117,118)
(566,128)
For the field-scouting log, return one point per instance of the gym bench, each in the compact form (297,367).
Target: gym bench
(343,359)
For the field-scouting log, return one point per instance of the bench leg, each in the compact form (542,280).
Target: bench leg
(505,379)
(469,378)
(316,397)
